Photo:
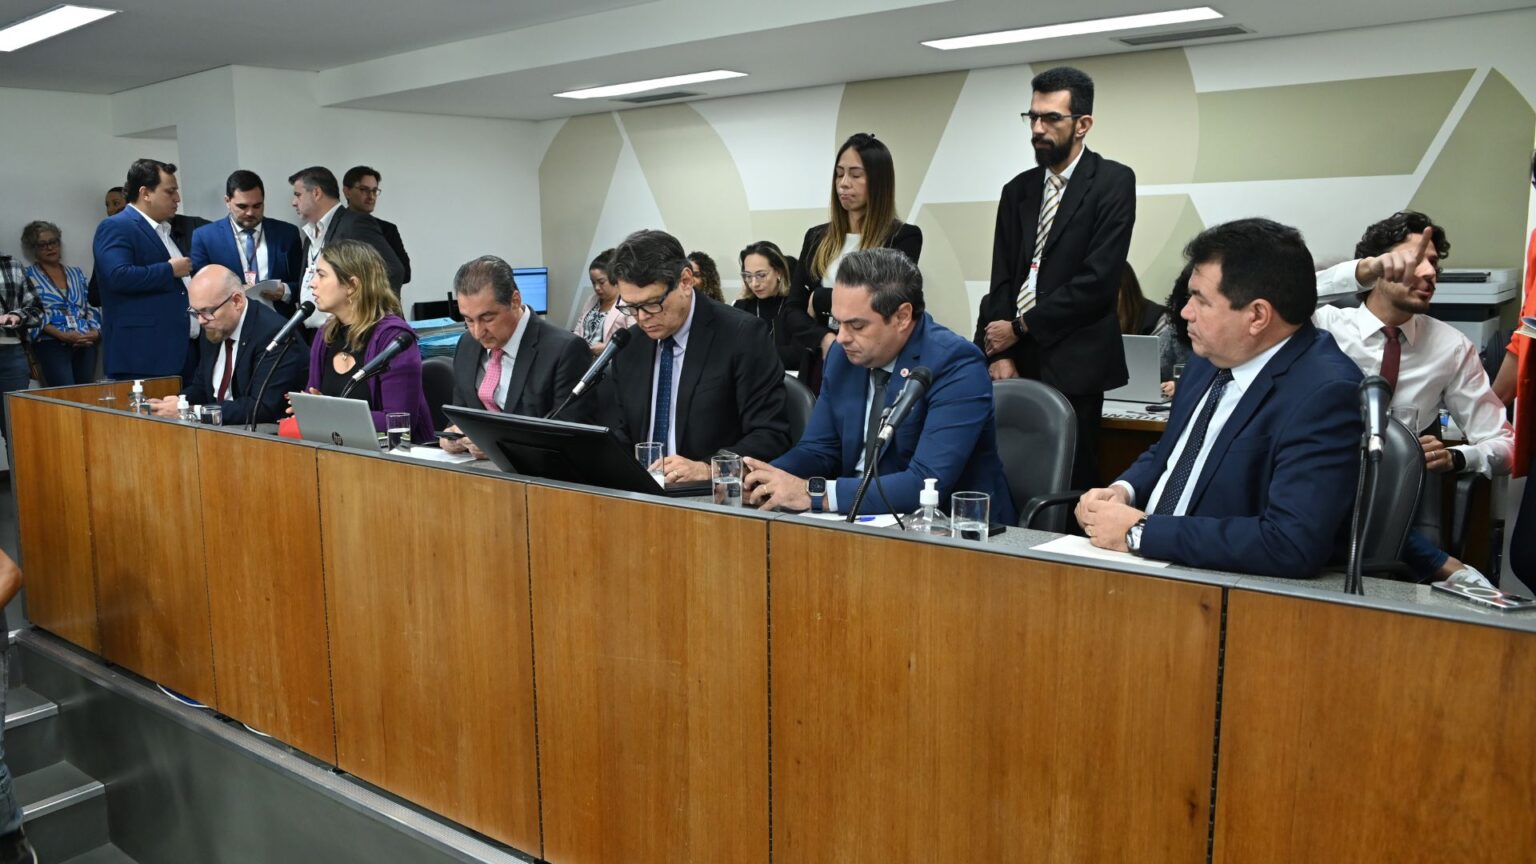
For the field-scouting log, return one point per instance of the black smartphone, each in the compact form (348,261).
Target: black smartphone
(451,436)
(1160,407)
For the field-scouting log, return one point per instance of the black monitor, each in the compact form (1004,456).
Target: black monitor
(558,450)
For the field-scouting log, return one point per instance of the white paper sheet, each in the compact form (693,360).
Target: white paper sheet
(1081,548)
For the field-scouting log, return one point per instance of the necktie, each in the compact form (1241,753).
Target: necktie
(1391,355)
(1053,184)
(250,249)
(492,379)
(229,368)
(879,378)
(1175,488)
(663,421)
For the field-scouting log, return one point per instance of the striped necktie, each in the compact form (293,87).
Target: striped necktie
(1053,185)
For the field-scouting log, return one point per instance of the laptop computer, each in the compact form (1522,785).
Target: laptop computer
(331,420)
(1144,361)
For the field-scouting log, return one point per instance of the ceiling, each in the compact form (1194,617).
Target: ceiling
(503,58)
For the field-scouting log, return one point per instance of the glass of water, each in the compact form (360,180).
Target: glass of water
(648,454)
(725,480)
(213,415)
(397,429)
(1406,415)
(970,515)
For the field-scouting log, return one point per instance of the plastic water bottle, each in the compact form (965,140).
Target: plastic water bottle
(929,519)
(137,404)
(184,410)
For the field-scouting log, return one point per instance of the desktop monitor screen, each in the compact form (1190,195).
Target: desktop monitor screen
(533,284)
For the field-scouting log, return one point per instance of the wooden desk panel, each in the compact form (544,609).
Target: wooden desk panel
(147,520)
(53,511)
(426,574)
(651,636)
(1352,734)
(266,595)
(92,394)
(937,704)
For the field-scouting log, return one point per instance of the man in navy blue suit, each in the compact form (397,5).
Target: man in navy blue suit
(252,246)
(950,435)
(232,359)
(1256,471)
(145,329)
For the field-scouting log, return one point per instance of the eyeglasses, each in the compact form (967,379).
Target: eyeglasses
(1049,118)
(651,308)
(47,244)
(370,191)
(207,314)
(760,276)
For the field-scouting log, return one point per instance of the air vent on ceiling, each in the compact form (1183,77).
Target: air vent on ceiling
(1183,36)
(657,97)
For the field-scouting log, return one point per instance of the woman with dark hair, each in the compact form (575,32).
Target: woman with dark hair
(709,276)
(862,216)
(66,338)
(1138,315)
(601,317)
(765,275)
(1173,339)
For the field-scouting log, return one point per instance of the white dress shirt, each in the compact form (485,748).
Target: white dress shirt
(681,337)
(508,359)
(163,231)
(1439,366)
(1243,376)
(869,405)
(316,235)
(259,267)
(234,354)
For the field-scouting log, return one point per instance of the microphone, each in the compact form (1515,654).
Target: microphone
(618,340)
(918,381)
(305,310)
(1375,395)
(381,360)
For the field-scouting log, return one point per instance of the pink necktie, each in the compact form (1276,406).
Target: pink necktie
(488,384)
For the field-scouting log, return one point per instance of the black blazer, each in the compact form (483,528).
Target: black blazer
(251,366)
(1073,343)
(349,224)
(773,311)
(392,236)
(731,393)
(806,331)
(549,363)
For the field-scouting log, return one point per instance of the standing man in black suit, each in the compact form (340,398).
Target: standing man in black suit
(1063,231)
(510,360)
(704,378)
(317,200)
(361,186)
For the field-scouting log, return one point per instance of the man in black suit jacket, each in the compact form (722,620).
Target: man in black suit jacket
(232,360)
(1050,314)
(704,378)
(511,360)
(317,200)
(361,186)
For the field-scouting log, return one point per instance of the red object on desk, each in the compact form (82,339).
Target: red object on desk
(288,427)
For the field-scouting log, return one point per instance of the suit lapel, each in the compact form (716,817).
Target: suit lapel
(466,360)
(1029,217)
(154,237)
(331,229)
(1077,189)
(699,340)
(526,352)
(910,358)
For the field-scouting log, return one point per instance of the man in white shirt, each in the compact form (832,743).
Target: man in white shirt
(1428,362)
(317,201)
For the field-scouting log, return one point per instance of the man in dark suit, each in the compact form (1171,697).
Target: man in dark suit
(950,435)
(251,245)
(510,360)
(317,200)
(1256,471)
(1063,231)
(704,378)
(232,359)
(361,186)
(142,274)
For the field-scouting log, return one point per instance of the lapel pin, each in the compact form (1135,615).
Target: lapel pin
(905,372)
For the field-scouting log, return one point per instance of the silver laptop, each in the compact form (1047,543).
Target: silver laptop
(329,420)
(1144,361)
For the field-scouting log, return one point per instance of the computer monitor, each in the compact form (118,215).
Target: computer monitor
(557,450)
(533,284)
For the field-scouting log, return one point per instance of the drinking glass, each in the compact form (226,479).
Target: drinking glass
(1406,415)
(213,415)
(649,453)
(970,515)
(725,480)
(397,429)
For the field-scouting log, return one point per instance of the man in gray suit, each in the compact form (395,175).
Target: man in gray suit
(511,360)
(323,218)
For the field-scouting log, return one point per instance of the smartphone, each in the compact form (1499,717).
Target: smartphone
(1490,597)
(451,436)
(1160,407)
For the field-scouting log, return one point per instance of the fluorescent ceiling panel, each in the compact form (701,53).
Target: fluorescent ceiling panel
(1076,28)
(46,25)
(612,90)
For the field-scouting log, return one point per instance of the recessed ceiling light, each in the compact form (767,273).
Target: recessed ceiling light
(1076,28)
(46,25)
(612,90)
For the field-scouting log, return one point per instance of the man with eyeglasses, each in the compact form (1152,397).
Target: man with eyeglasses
(232,359)
(705,377)
(1063,232)
(361,186)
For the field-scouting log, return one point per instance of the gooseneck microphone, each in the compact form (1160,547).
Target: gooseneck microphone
(306,309)
(1375,395)
(918,382)
(380,361)
(618,340)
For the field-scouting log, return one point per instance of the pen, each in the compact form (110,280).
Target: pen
(864,519)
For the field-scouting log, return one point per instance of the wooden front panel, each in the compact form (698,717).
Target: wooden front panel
(1350,734)
(266,593)
(651,642)
(426,574)
(939,704)
(53,509)
(147,520)
(119,391)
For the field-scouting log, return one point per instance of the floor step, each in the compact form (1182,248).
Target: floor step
(107,854)
(65,810)
(31,731)
(23,705)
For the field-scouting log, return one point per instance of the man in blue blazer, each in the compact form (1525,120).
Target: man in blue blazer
(232,360)
(950,435)
(142,273)
(1256,471)
(253,247)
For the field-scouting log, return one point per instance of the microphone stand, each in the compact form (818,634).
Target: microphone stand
(871,461)
(347,390)
(571,396)
(1360,524)
(262,391)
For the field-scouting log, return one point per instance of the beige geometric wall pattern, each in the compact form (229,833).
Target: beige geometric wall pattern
(909,116)
(957,248)
(1157,135)
(574,177)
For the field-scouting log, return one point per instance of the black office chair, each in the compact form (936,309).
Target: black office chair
(801,402)
(1037,440)
(437,384)
(1397,500)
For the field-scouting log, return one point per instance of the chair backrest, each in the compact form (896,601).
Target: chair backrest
(437,385)
(800,402)
(1037,440)
(1399,480)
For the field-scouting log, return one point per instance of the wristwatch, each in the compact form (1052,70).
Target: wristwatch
(1018,326)
(816,487)
(1458,461)
(1133,536)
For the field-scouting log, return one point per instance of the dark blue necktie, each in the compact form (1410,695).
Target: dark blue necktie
(250,249)
(1181,471)
(663,420)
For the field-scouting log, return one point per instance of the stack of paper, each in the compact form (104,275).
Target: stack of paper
(437,337)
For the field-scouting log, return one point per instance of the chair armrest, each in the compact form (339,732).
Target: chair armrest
(1042,502)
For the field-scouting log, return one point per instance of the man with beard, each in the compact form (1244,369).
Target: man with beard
(1427,362)
(1063,231)
(251,245)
